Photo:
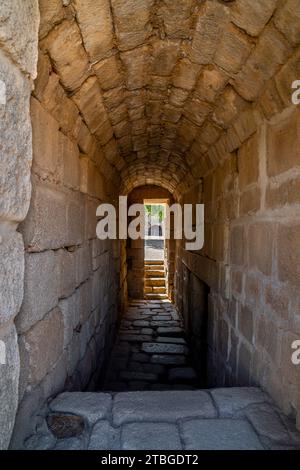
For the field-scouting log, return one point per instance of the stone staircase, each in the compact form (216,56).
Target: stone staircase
(155,280)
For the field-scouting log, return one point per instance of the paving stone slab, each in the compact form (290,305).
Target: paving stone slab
(161,406)
(268,424)
(164,348)
(168,359)
(73,443)
(219,434)
(91,406)
(233,401)
(150,436)
(104,437)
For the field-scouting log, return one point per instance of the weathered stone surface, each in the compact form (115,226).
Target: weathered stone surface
(289,254)
(163,348)
(43,344)
(16,149)
(64,45)
(90,103)
(19,32)
(11,274)
(109,73)
(161,406)
(9,381)
(252,16)
(220,434)
(104,437)
(91,406)
(51,13)
(132,22)
(72,443)
(234,401)
(41,288)
(96,27)
(149,436)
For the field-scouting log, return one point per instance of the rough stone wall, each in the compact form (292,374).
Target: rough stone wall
(251,257)
(18,56)
(69,313)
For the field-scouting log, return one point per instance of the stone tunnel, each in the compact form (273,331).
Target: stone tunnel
(188,102)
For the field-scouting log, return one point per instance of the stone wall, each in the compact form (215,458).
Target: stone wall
(18,56)
(70,309)
(251,258)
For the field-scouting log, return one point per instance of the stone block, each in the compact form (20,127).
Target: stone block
(9,382)
(65,261)
(210,23)
(41,288)
(220,434)
(161,406)
(260,247)
(252,16)
(46,224)
(104,437)
(233,50)
(185,75)
(109,73)
(136,63)
(11,274)
(150,436)
(92,407)
(237,245)
(269,55)
(250,201)
(163,348)
(90,103)
(46,140)
(283,151)
(43,344)
(75,219)
(19,32)
(287,20)
(289,254)
(15,131)
(51,13)
(246,323)
(248,162)
(64,44)
(70,310)
(286,76)
(233,402)
(83,263)
(132,22)
(95,22)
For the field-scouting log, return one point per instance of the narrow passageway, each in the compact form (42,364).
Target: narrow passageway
(151,352)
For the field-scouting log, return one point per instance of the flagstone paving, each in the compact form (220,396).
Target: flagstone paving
(220,419)
(151,352)
(152,401)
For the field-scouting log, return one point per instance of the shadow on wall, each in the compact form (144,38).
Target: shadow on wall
(195,316)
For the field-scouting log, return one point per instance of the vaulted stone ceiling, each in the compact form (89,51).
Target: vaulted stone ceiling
(161,83)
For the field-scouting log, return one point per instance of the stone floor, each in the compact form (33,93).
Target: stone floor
(150,352)
(230,419)
(153,404)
